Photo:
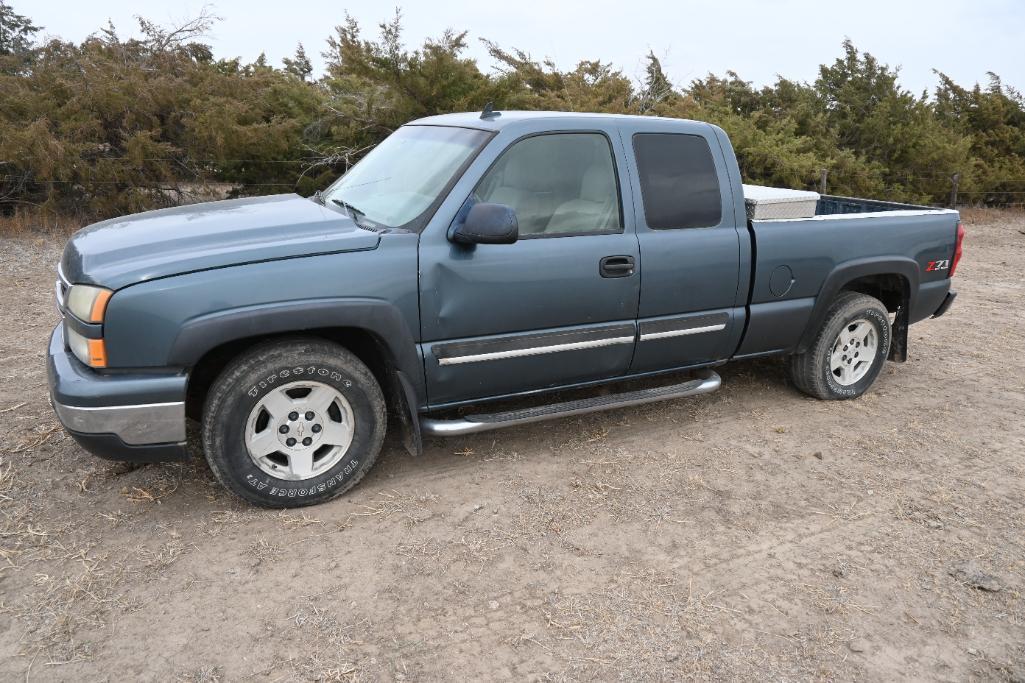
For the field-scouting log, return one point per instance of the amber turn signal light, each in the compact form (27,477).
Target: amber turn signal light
(97,353)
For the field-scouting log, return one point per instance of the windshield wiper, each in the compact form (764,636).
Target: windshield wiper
(353,212)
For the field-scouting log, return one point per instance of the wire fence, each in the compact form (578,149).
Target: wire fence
(204,181)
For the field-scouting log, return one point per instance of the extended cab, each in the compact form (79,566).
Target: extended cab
(471,258)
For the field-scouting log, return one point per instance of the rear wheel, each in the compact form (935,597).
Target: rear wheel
(848,352)
(293,423)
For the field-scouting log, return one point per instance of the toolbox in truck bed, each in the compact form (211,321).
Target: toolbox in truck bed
(767,203)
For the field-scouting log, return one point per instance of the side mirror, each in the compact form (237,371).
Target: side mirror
(488,224)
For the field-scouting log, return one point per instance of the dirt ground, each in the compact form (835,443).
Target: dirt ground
(751,533)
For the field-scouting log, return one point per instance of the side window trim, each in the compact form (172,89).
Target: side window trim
(717,174)
(461,214)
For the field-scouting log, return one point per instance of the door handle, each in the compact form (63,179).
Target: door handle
(616,266)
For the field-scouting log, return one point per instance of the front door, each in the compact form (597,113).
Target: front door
(557,307)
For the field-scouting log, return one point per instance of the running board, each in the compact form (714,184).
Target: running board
(705,382)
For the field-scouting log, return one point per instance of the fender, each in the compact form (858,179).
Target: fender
(850,271)
(376,316)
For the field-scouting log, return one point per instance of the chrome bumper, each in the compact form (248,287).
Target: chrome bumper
(131,416)
(947,301)
(135,425)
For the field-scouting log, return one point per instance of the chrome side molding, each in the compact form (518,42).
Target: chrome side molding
(683,332)
(535,350)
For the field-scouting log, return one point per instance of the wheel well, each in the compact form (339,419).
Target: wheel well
(890,288)
(895,292)
(365,345)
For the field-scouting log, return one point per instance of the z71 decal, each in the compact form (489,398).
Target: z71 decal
(943,264)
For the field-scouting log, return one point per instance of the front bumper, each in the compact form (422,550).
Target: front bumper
(130,416)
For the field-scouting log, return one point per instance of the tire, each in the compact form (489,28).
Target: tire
(864,322)
(292,423)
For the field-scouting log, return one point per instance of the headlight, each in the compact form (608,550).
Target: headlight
(88,303)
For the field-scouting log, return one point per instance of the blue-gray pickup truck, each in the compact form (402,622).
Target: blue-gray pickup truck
(473,271)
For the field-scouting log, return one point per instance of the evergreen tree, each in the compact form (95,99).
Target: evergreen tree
(16,32)
(657,87)
(300,65)
(152,118)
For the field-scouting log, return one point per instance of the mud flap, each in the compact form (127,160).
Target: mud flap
(405,404)
(899,336)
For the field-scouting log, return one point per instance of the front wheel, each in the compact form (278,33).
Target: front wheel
(849,351)
(292,423)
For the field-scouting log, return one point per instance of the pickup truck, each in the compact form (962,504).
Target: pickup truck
(563,263)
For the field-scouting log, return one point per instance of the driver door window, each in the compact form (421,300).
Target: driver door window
(559,185)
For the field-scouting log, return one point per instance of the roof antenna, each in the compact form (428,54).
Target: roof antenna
(489,111)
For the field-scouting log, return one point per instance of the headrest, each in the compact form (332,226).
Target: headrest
(597,185)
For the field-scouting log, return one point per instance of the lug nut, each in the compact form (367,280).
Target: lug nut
(309,415)
(283,429)
(316,429)
(290,442)
(307,441)
(293,416)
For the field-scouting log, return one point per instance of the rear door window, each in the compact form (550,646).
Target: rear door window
(679,185)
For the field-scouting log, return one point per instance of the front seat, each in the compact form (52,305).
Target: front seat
(527,191)
(594,210)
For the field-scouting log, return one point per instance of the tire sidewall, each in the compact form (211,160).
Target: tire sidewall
(876,317)
(228,424)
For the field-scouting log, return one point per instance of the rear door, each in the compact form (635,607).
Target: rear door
(691,308)
(557,307)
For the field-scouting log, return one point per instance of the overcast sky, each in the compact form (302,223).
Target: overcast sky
(756,38)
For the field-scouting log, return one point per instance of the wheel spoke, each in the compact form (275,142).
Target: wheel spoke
(263,443)
(845,374)
(300,462)
(336,434)
(836,358)
(278,404)
(319,399)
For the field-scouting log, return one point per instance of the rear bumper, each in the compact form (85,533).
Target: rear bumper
(947,301)
(137,417)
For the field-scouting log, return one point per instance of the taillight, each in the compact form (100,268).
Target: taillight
(957,248)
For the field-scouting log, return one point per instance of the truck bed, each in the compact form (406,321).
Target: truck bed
(798,262)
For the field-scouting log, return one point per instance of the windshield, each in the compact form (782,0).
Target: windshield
(402,177)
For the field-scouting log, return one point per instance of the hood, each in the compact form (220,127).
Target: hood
(155,244)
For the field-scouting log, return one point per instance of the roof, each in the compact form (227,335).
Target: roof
(473,119)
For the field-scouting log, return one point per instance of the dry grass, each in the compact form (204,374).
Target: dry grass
(34,221)
(972,215)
